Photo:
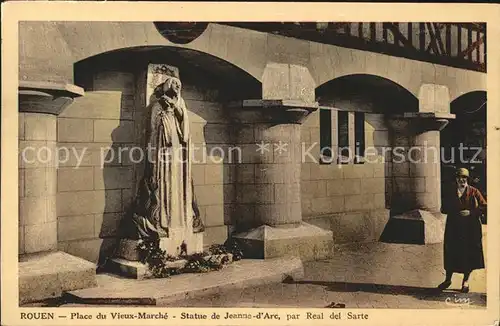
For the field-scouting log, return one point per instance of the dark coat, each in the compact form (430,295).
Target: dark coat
(463,247)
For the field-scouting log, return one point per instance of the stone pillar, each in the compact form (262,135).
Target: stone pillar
(39,106)
(425,173)
(421,222)
(39,262)
(37,182)
(277,228)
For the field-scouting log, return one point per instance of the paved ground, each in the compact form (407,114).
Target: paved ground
(375,275)
(371,275)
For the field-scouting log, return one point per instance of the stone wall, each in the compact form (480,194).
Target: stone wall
(348,199)
(93,197)
(213,168)
(246,49)
(93,194)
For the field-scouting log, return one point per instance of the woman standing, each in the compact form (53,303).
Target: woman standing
(463,247)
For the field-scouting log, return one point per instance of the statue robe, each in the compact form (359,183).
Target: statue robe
(463,247)
(165,195)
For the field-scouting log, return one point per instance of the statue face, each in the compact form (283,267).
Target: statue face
(172,89)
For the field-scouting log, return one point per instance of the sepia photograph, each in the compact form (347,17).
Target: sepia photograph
(338,166)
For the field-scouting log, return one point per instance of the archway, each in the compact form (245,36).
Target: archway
(463,141)
(368,93)
(355,112)
(115,110)
(195,66)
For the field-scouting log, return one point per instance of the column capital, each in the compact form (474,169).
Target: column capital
(418,122)
(46,97)
(434,98)
(288,81)
(278,111)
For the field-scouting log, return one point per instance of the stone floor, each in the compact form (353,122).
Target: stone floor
(370,275)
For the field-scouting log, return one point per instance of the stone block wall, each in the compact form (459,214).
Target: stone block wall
(95,185)
(212,167)
(348,199)
(94,197)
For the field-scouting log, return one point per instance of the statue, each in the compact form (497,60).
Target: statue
(165,198)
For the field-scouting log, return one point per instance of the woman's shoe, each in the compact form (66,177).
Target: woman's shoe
(444,285)
(465,288)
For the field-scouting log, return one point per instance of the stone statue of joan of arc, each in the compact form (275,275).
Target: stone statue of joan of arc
(165,196)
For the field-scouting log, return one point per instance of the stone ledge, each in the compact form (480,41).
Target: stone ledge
(307,241)
(69,89)
(277,111)
(279,103)
(427,115)
(241,274)
(48,275)
(46,97)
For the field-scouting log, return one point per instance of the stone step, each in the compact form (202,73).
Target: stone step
(241,274)
(48,275)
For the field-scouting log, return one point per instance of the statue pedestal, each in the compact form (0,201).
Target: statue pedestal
(172,244)
(127,259)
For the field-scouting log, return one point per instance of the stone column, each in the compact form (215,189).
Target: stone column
(39,261)
(421,222)
(277,228)
(39,106)
(37,182)
(279,205)
(425,172)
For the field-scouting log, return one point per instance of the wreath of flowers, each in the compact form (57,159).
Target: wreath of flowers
(215,258)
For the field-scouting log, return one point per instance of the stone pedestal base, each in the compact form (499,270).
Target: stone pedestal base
(136,269)
(305,241)
(174,290)
(415,227)
(172,244)
(139,271)
(48,275)
(127,249)
(127,258)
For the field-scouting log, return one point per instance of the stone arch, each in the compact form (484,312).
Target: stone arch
(330,62)
(115,84)
(235,83)
(367,93)
(466,84)
(77,41)
(370,101)
(459,105)
(469,129)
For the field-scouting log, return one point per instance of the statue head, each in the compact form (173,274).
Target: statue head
(170,89)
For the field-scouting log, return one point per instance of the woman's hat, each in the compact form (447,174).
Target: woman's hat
(462,172)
